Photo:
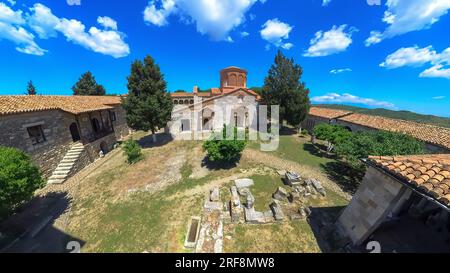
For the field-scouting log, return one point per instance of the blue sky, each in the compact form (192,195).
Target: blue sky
(394,55)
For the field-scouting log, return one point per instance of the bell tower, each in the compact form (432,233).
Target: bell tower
(232,78)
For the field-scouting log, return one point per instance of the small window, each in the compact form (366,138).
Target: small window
(113,116)
(36,134)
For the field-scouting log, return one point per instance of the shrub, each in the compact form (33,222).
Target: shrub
(132,150)
(224,150)
(19,179)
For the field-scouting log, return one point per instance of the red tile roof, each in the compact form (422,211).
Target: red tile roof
(70,104)
(425,132)
(428,173)
(439,136)
(327,113)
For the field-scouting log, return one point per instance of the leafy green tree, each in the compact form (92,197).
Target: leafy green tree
(132,150)
(148,104)
(283,87)
(332,134)
(223,149)
(88,86)
(382,143)
(31,90)
(19,178)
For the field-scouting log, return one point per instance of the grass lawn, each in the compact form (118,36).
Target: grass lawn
(113,210)
(298,149)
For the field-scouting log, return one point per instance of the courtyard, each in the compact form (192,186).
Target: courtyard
(114,207)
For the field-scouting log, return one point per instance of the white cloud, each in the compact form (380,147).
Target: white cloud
(11,2)
(12,29)
(107,22)
(244,34)
(42,21)
(215,18)
(157,16)
(349,98)
(7,15)
(74,2)
(438,98)
(339,71)
(106,41)
(287,46)
(418,57)
(404,16)
(410,56)
(437,71)
(276,32)
(330,42)
(326,2)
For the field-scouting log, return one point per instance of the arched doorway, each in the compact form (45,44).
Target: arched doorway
(74,132)
(95,125)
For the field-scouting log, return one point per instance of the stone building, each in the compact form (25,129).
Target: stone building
(197,114)
(403,203)
(436,139)
(62,134)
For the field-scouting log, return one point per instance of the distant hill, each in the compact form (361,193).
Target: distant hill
(404,115)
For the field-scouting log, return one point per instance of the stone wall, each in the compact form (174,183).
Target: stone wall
(312,121)
(92,152)
(121,128)
(55,125)
(378,195)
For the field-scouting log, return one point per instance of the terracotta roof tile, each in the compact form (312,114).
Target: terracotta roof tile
(429,175)
(428,133)
(327,113)
(425,132)
(71,104)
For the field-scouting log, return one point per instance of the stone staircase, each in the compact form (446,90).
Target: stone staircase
(65,166)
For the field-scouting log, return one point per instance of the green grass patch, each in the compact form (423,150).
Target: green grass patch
(297,149)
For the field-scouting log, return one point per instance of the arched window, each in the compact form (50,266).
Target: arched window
(241,80)
(191,101)
(175,102)
(186,102)
(233,80)
(95,125)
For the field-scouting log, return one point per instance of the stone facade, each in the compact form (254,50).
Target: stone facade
(378,196)
(55,125)
(197,114)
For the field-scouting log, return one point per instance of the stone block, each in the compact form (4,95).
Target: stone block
(250,200)
(243,183)
(277,212)
(214,195)
(281,194)
(318,186)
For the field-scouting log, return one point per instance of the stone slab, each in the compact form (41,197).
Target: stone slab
(243,183)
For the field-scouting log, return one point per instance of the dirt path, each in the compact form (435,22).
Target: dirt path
(212,184)
(283,164)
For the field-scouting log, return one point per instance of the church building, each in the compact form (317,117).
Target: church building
(197,114)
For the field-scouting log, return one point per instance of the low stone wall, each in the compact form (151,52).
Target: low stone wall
(378,195)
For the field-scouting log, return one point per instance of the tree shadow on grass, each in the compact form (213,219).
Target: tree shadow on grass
(287,131)
(318,150)
(31,229)
(219,165)
(161,140)
(347,178)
